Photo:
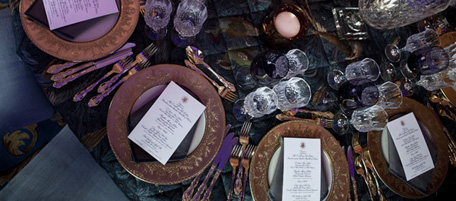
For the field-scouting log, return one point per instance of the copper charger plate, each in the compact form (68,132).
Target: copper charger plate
(340,181)
(197,160)
(68,50)
(430,121)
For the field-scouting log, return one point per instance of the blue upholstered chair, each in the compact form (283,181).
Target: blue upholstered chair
(22,100)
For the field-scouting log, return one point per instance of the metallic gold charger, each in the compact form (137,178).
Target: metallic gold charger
(195,162)
(380,164)
(58,47)
(259,184)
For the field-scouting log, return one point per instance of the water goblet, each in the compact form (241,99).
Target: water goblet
(292,93)
(297,62)
(262,101)
(157,15)
(188,21)
(416,41)
(368,119)
(269,67)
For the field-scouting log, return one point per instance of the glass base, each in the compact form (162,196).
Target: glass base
(335,78)
(155,35)
(392,53)
(238,111)
(406,72)
(181,41)
(388,71)
(340,124)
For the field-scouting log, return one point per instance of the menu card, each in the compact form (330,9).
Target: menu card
(302,169)
(411,146)
(167,122)
(62,13)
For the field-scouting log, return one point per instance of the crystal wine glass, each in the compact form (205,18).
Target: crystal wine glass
(292,93)
(364,69)
(368,119)
(416,41)
(436,81)
(297,62)
(262,101)
(157,15)
(188,21)
(269,67)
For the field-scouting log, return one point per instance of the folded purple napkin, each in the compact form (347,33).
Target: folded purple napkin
(275,189)
(138,154)
(37,13)
(419,183)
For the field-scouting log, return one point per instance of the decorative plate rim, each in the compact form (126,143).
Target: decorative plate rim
(259,184)
(381,166)
(195,162)
(52,44)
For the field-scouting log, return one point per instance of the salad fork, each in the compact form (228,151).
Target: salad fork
(140,59)
(234,161)
(246,164)
(244,140)
(117,68)
(94,101)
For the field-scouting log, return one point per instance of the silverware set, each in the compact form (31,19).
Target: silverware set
(196,57)
(217,165)
(243,154)
(125,66)
(363,166)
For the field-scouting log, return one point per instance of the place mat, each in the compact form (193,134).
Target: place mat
(374,143)
(259,184)
(196,161)
(65,49)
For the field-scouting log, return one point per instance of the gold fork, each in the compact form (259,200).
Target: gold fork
(374,174)
(359,150)
(140,59)
(117,68)
(96,100)
(234,161)
(246,164)
(244,140)
(222,90)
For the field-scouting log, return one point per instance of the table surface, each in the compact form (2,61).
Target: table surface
(229,40)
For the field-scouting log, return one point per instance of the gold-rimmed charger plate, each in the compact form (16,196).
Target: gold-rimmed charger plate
(340,181)
(68,50)
(197,160)
(432,124)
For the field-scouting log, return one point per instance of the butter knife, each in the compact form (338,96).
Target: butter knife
(187,195)
(99,64)
(57,68)
(352,172)
(225,157)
